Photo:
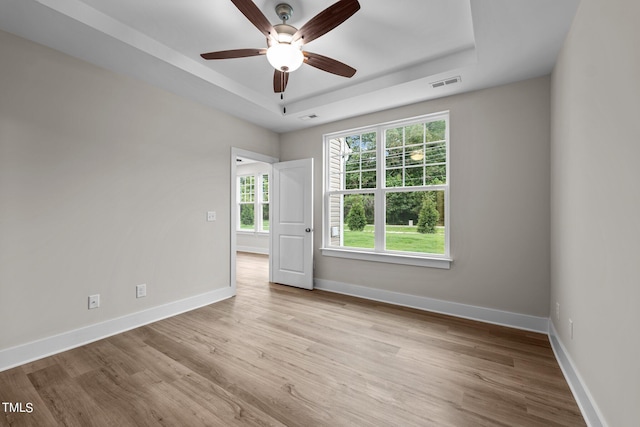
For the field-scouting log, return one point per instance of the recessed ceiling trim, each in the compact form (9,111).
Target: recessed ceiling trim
(158,42)
(105,24)
(417,72)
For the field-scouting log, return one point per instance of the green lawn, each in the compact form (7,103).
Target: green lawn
(399,238)
(250,227)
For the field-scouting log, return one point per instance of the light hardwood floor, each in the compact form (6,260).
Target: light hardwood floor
(276,355)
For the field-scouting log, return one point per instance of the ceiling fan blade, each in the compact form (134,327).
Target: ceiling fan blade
(329,65)
(257,18)
(236,53)
(280,80)
(327,20)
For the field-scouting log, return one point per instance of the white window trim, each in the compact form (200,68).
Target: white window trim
(258,204)
(404,258)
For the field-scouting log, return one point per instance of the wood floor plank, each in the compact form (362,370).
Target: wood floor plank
(281,356)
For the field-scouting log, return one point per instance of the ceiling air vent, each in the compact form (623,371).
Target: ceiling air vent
(445,82)
(309,117)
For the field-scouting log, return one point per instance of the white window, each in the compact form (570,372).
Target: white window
(386,192)
(253,203)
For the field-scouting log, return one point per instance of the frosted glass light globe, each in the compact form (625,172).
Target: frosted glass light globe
(285,57)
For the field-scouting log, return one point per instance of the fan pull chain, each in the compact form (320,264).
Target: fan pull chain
(283,78)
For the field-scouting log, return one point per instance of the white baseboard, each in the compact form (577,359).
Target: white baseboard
(253,250)
(482,314)
(586,403)
(24,353)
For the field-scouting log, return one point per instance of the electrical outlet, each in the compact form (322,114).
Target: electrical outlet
(141,290)
(571,328)
(557,311)
(211,216)
(94,301)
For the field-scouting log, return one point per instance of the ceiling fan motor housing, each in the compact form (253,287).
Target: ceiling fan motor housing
(285,32)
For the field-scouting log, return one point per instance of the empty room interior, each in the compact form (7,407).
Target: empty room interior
(351,213)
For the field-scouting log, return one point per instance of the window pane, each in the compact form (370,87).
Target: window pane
(410,147)
(369,141)
(335,220)
(368,179)
(394,178)
(413,176)
(358,214)
(352,163)
(265,188)
(436,153)
(353,142)
(394,137)
(414,155)
(435,130)
(355,168)
(265,217)
(435,175)
(246,187)
(246,217)
(414,134)
(394,158)
(368,160)
(352,181)
(415,222)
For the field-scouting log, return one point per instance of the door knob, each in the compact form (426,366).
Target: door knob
(308,230)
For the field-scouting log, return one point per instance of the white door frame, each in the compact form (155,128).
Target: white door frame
(235,153)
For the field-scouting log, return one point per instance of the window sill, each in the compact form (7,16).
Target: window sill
(251,233)
(420,261)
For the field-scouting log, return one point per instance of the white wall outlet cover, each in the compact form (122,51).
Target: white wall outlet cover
(211,216)
(94,301)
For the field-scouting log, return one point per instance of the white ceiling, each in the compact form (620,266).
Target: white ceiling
(398,47)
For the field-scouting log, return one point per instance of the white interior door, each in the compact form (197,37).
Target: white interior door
(292,223)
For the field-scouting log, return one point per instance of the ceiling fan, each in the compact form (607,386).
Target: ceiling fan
(284,42)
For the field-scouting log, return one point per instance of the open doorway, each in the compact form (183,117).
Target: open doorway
(250,212)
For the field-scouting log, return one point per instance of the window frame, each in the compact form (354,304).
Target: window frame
(258,202)
(379,253)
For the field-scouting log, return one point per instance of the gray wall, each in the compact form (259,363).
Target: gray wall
(499,201)
(104,184)
(595,206)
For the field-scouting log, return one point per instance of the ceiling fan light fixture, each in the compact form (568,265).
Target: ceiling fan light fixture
(285,42)
(285,57)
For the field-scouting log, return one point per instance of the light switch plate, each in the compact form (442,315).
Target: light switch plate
(141,290)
